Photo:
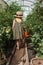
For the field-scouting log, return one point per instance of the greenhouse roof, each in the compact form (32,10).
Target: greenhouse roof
(26,5)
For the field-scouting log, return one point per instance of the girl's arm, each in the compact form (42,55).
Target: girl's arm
(13,24)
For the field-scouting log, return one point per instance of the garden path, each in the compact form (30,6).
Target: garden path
(20,57)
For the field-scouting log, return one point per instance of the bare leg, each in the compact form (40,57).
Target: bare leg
(18,44)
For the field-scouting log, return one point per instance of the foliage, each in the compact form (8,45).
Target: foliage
(34,23)
(37,43)
(6,19)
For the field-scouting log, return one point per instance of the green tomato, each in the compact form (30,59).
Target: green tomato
(7,30)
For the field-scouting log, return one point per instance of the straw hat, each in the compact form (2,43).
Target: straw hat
(19,14)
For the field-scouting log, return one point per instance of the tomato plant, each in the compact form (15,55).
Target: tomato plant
(6,20)
(34,24)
